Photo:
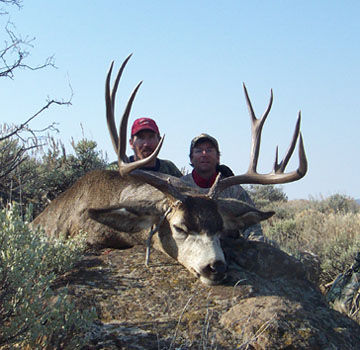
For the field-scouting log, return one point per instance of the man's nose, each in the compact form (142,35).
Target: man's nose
(148,144)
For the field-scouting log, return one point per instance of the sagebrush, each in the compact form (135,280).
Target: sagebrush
(327,228)
(30,313)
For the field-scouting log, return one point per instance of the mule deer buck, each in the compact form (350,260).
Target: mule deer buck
(116,209)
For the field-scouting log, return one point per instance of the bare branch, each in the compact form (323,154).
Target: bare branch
(14,53)
(17,3)
(24,125)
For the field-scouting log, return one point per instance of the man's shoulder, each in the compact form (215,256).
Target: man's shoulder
(187,176)
(188,179)
(237,192)
(168,167)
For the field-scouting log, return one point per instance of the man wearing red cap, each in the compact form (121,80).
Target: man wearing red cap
(205,159)
(145,137)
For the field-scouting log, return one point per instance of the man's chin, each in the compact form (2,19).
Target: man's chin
(205,167)
(146,154)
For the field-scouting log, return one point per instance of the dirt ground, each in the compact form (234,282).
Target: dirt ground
(266,303)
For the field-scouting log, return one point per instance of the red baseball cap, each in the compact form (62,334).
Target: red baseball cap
(144,124)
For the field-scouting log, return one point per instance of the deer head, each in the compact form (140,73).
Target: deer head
(189,224)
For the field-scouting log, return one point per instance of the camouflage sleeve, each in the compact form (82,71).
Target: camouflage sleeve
(168,167)
(345,290)
(244,196)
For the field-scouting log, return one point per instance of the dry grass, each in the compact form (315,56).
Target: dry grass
(326,228)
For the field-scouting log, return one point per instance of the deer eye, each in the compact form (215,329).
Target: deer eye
(180,232)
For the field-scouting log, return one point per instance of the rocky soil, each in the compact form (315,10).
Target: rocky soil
(266,303)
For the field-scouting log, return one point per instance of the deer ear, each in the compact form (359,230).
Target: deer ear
(239,215)
(125,218)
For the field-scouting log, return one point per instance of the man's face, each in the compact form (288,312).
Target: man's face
(204,157)
(144,143)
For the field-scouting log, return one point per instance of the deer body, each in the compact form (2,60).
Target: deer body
(68,214)
(118,212)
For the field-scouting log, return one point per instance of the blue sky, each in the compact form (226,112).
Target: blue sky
(193,57)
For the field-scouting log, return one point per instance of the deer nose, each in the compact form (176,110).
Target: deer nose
(215,270)
(218,267)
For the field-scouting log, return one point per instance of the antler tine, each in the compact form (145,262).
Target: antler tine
(121,150)
(280,168)
(110,102)
(119,139)
(117,80)
(109,110)
(256,129)
(278,175)
(213,189)
(303,166)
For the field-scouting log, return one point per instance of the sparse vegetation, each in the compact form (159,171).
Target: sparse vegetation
(262,196)
(328,228)
(41,175)
(31,314)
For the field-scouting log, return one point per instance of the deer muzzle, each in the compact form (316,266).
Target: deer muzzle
(214,273)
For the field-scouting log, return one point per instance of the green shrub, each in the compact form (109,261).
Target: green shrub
(58,171)
(329,229)
(38,177)
(341,244)
(337,203)
(263,195)
(30,313)
(285,233)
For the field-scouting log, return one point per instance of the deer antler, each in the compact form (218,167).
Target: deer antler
(119,140)
(166,184)
(278,175)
